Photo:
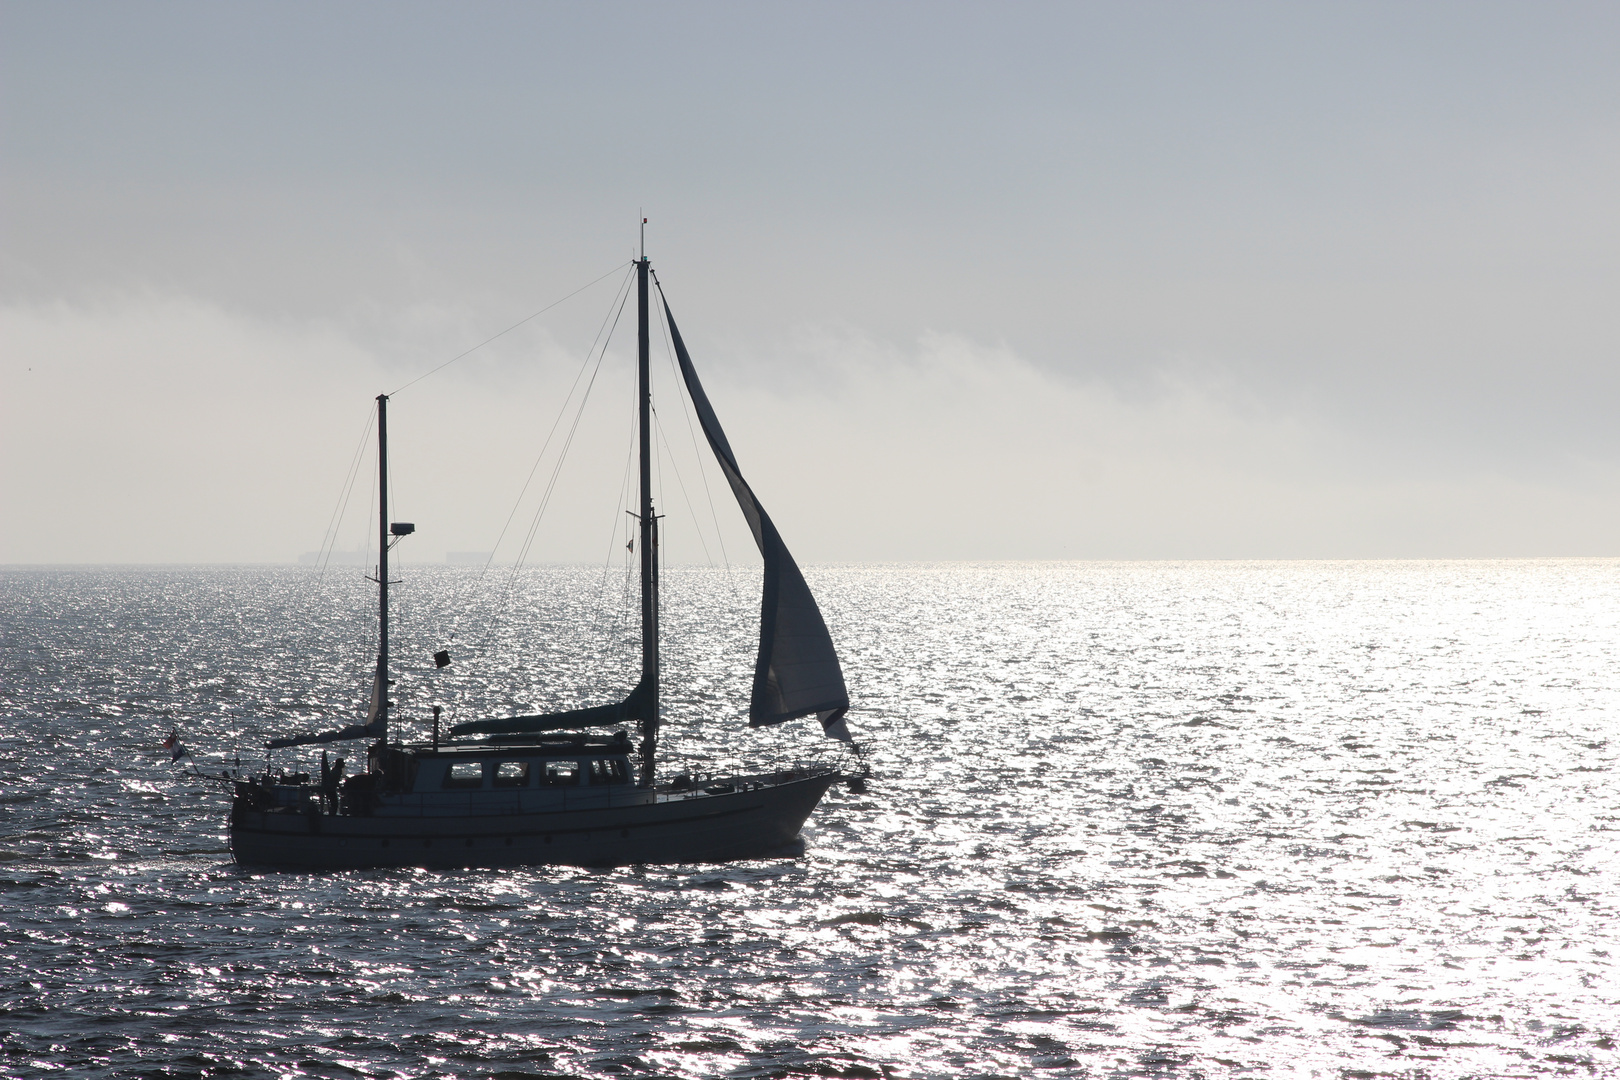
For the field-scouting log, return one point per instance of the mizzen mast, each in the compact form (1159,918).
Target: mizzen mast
(379,694)
(377,713)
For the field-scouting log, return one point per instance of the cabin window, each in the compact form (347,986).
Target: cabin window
(512,774)
(562,773)
(609,771)
(465,774)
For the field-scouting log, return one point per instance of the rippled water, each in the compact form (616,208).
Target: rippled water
(1317,819)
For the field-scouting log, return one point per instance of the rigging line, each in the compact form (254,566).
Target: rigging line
(556,471)
(627,608)
(619,305)
(371,500)
(393,497)
(562,454)
(658,425)
(624,484)
(345,492)
(619,508)
(562,410)
(658,459)
(703,474)
(503,333)
(604,615)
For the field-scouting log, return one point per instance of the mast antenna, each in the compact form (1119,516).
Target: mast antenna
(643,237)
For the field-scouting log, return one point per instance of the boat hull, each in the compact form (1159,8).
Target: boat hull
(749,822)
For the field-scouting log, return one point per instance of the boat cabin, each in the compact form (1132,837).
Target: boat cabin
(511,764)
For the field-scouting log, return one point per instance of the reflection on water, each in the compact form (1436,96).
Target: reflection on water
(1340,819)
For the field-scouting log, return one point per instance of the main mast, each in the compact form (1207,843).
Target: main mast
(649,539)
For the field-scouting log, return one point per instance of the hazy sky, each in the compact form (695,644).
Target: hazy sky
(994,281)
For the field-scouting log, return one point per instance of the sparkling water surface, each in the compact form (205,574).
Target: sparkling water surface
(1195,819)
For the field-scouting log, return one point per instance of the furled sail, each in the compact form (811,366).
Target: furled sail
(631,708)
(353,731)
(375,727)
(797,672)
(377,710)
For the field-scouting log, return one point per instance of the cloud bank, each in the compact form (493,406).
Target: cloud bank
(163,429)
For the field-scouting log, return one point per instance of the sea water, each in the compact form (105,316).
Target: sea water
(1343,819)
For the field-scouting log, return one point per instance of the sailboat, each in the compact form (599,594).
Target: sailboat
(554,788)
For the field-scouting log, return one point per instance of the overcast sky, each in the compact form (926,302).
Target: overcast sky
(993,281)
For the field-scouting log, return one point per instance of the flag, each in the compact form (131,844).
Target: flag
(175,747)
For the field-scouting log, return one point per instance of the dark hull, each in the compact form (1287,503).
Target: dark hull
(678,829)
